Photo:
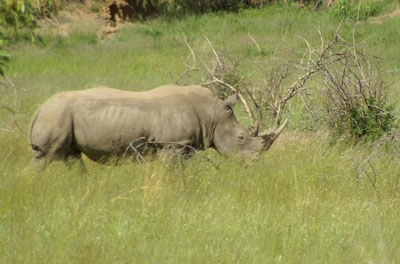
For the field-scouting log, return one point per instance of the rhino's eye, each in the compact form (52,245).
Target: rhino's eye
(241,137)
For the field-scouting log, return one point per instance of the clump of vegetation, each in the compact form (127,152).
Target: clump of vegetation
(356,95)
(355,10)
(141,9)
(371,120)
(4,58)
(201,6)
(16,16)
(16,13)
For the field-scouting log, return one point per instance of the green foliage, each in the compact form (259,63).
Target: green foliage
(173,7)
(355,10)
(4,58)
(145,8)
(18,18)
(201,6)
(371,120)
(357,106)
(16,15)
(95,7)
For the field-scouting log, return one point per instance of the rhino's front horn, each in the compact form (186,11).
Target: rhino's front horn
(274,135)
(280,129)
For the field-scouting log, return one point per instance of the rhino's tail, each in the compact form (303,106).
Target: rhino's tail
(38,153)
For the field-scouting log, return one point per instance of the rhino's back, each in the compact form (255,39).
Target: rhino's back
(189,92)
(160,108)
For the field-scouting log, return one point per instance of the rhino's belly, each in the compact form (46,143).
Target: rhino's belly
(101,155)
(112,131)
(103,143)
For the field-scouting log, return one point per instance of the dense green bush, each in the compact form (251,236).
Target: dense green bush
(357,97)
(4,58)
(355,10)
(16,16)
(146,8)
(200,6)
(371,120)
(23,13)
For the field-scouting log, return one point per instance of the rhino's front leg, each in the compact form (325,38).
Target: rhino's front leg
(38,164)
(75,160)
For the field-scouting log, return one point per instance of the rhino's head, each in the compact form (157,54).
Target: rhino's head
(230,136)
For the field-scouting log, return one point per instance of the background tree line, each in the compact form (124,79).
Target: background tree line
(18,18)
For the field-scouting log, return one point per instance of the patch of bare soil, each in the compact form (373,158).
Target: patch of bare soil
(103,17)
(381,18)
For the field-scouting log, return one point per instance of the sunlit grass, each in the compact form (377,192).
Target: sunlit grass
(301,202)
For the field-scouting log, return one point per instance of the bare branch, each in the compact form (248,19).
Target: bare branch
(246,105)
(254,41)
(14,113)
(191,50)
(214,51)
(213,75)
(139,156)
(384,112)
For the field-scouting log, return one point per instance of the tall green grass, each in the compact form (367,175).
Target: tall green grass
(304,201)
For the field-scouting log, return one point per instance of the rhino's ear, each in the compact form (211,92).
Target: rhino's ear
(228,103)
(253,131)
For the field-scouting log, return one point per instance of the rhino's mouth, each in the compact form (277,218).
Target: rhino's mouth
(246,156)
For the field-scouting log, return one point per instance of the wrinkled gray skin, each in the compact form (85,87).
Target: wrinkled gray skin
(103,122)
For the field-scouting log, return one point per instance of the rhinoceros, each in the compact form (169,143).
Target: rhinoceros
(103,122)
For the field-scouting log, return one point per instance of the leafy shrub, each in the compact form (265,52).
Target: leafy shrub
(14,16)
(4,58)
(16,13)
(371,120)
(355,10)
(23,13)
(356,96)
(129,9)
(201,6)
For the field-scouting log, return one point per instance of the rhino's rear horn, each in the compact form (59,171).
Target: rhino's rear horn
(253,131)
(230,101)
